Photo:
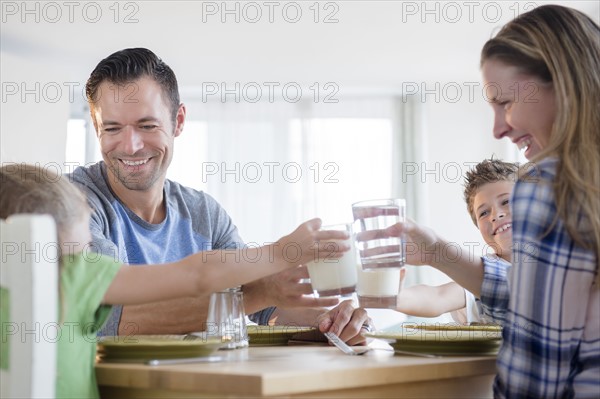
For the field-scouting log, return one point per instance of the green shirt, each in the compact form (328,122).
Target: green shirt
(84,279)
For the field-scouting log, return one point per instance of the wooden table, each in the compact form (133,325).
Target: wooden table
(303,371)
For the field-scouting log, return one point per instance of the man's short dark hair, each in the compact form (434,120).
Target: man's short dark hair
(129,65)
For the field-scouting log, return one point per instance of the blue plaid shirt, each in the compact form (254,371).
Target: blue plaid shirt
(549,301)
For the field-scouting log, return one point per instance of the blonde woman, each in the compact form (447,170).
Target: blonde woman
(542,71)
(546,65)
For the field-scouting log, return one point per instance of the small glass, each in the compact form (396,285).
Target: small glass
(379,288)
(227,319)
(377,249)
(335,276)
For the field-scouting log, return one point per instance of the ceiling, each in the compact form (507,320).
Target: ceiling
(374,45)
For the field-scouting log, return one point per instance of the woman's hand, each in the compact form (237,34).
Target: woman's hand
(423,245)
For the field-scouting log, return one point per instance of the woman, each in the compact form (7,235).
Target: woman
(542,73)
(546,65)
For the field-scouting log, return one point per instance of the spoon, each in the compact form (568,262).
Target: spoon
(348,350)
(334,339)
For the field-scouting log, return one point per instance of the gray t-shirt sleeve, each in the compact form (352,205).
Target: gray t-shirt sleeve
(104,246)
(262,317)
(86,179)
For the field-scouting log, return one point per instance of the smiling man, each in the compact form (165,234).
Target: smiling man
(141,217)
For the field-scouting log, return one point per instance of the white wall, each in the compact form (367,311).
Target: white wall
(459,135)
(34,119)
(381,45)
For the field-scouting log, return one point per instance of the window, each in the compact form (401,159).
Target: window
(346,160)
(189,153)
(76,141)
(82,145)
(273,165)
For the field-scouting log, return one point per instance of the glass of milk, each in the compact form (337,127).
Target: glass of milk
(331,276)
(378,288)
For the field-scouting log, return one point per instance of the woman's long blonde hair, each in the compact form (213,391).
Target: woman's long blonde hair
(562,46)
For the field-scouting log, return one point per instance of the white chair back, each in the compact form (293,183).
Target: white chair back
(28,307)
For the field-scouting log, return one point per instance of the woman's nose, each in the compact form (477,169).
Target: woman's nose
(501,126)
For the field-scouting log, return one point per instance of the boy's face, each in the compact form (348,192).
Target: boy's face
(492,213)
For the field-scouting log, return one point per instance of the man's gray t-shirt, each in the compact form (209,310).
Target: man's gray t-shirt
(194,222)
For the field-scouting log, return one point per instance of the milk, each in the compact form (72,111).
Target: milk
(334,276)
(378,288)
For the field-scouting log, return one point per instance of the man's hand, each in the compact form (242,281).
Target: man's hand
(347,322)
(284,289)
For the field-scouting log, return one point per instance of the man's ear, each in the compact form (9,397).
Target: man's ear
(180,120)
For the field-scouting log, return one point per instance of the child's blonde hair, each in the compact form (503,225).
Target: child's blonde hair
(487,171)
(32,189)
(28,188)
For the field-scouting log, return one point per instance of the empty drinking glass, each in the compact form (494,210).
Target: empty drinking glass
(377,247)
(227,319)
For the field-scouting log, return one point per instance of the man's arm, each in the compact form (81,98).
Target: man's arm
(286,289)
(185,315)
(177,316)
(182,316)
(205,273)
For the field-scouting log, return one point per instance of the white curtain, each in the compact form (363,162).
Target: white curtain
(275,164)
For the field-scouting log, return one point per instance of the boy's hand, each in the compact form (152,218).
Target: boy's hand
(308,243)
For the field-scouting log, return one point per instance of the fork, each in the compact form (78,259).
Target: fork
(348,350)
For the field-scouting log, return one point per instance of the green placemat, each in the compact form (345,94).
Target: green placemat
(443,341)
(141,348)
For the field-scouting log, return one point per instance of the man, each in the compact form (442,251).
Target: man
(141,217)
